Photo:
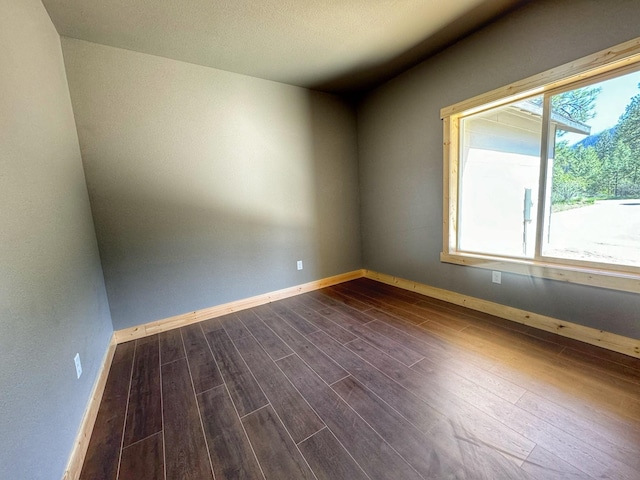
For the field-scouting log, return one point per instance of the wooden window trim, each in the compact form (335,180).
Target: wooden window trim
(602,64)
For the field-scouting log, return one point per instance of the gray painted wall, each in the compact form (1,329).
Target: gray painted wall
(52,296)
(207,186)
(400,154)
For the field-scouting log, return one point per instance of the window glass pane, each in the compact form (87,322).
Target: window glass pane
(499,179)
(594,198)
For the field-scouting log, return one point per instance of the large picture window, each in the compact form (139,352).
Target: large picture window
(543,177)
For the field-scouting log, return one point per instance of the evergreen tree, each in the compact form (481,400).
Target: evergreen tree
(615,156)
(578,105)
(628,132)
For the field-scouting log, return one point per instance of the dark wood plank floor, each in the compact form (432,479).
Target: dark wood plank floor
(366,381)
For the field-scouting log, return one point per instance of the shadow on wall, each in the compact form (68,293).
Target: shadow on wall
(164,258)
(178,234)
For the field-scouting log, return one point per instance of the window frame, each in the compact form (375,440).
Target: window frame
(605,64)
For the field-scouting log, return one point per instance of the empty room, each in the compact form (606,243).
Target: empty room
(346,239)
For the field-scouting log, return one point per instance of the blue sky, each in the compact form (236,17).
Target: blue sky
(613,99)
(611,102)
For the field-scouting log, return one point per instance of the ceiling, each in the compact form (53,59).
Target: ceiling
(338,46)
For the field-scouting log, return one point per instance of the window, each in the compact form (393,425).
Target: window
(543,177)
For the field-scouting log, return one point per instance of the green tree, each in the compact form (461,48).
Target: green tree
(615,156)
(588,168)
(628,132)
(578,105)
(576,172)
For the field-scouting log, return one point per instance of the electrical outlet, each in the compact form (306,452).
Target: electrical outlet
(76,359)
(299,264)
(496,277)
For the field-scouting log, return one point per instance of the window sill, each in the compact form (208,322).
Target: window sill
(595,277)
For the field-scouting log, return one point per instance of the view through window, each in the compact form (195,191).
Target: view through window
(571,194)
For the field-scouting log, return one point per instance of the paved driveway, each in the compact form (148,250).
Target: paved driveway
(607,231)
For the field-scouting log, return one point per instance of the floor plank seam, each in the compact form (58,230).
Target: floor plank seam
(142,439)
(164,450)
(241,417)
(340,379)
(418,397)
(124,426)
(249,370)
(382,359)
(293,441)
(416,338)
(172,361)
(366,423)
(314,433)
(381,437)
(206,341)
(278,359)
(381,399)
(416,362)
(210,389)
(195,396)
(283,374)
(244,430)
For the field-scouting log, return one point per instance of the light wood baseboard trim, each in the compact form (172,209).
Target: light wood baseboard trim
(76,459)
(170,323)
(593,336)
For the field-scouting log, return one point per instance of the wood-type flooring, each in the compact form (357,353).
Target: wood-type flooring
(365,381)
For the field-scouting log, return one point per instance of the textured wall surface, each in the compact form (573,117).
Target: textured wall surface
(207,186)
(400,154)
(52,297)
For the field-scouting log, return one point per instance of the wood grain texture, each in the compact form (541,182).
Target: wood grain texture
(627,53)
(291,407)
(418,449)
(186,452)
(81,445)
(348,427)
(299,305)
(171,347)
(610,63)
(599,338)
(144,411)
(328,459)
(488,399)
(204,370)
(407,404)
(101,461)
(246,393)
(271,343)
(328,370)
(278,455)
(143,460)
(544,465)
(293,319)
(451,401)
(231,454)
(188,318)
(382,342)
(233,326)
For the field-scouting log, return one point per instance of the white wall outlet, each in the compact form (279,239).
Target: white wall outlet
(76,359)
(496,277)
(299,264)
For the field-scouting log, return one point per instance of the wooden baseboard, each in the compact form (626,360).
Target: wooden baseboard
(593,336)
(170,323)
(76,459)
(600,338)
